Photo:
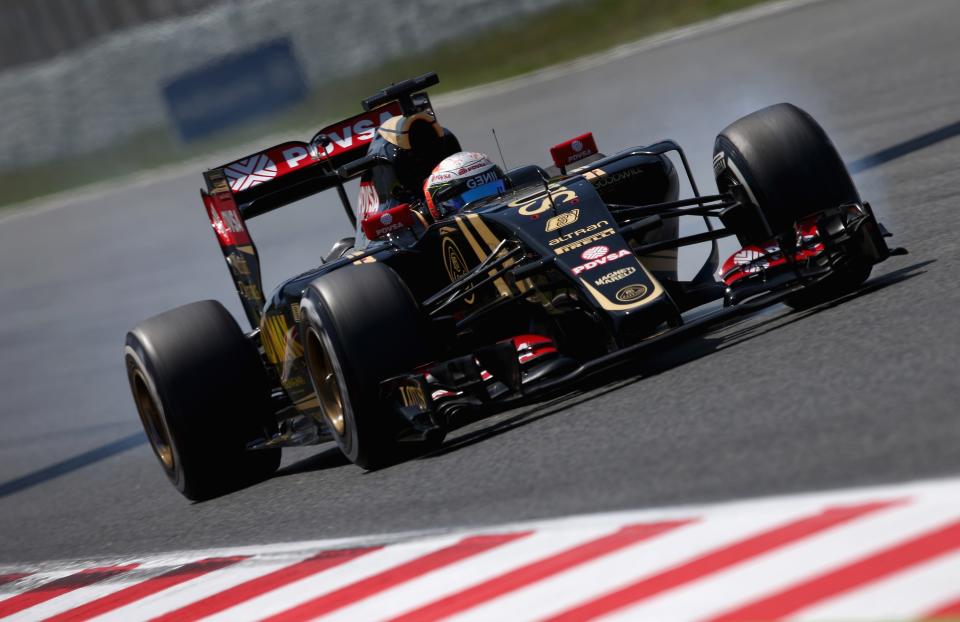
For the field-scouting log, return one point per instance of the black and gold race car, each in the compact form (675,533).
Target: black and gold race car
(417,324)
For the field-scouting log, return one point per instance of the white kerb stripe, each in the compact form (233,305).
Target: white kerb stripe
(789,565)
(445,581)
(902,596)
(83,595)
(606,574)
(311,587)
(190,591)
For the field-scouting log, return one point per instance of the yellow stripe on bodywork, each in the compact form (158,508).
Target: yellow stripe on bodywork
(481,255)
(493,241)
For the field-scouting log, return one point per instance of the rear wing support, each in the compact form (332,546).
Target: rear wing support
(238,248)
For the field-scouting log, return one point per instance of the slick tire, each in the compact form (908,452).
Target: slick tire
(360,325)
(202,394)
(782,167)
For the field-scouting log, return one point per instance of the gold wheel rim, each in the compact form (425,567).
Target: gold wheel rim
(153,423)
(325,381)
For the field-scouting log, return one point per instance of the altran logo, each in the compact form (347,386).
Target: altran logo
(594,252)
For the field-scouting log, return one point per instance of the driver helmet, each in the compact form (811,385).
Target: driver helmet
(460,179)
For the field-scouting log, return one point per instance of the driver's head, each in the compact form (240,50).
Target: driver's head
(460,179)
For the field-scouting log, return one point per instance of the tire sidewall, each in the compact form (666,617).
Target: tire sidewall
(375,330)
(136,358)
(315,315)
(790,169)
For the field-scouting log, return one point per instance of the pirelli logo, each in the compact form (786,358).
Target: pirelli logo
(585,241)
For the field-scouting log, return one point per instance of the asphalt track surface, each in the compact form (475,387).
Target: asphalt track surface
(859,392)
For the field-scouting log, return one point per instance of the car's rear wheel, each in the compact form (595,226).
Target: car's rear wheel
(360,325)
(782,167)
(202,394)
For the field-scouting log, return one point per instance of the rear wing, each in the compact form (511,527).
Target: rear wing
(291,171)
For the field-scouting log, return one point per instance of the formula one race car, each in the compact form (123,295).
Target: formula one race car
(427,320)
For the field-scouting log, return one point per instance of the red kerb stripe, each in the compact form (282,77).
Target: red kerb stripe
(719,559)
(261,585)
(539,570)
(387,579)
(145,588)
(950,611)
(916,550)
(58,587)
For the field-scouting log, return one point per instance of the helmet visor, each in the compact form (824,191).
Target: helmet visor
(488,189)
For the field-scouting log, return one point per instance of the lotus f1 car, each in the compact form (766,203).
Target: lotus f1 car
(416,325)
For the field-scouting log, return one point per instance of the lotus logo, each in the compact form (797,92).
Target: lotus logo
(454,263)
(630,293)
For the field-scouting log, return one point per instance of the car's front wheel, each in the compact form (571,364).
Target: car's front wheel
(782,167)
(360,325)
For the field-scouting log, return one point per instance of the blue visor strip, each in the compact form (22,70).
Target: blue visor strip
(481,192)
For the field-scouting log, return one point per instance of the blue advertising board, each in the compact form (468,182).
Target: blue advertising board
(234,90)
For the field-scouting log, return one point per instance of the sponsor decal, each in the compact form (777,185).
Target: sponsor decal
(538,205)
(375,226)
(382,231)
(563,220)
(719,163)
(602,260)
(353,132)
(226,221)
(472,167)
(582,231)
(454,262)
(745,257)
(594,253)
(573,150)
(613,277)
(368,202)
(436,178)
(483,178)
(250,172)
(631,293)
(412,395)
(603,181)
(586,241)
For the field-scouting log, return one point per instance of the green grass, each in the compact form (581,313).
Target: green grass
(529,43)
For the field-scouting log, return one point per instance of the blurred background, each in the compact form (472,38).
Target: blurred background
(95,89)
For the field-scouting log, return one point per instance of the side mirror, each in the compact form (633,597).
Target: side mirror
(379,224)
(573,151)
